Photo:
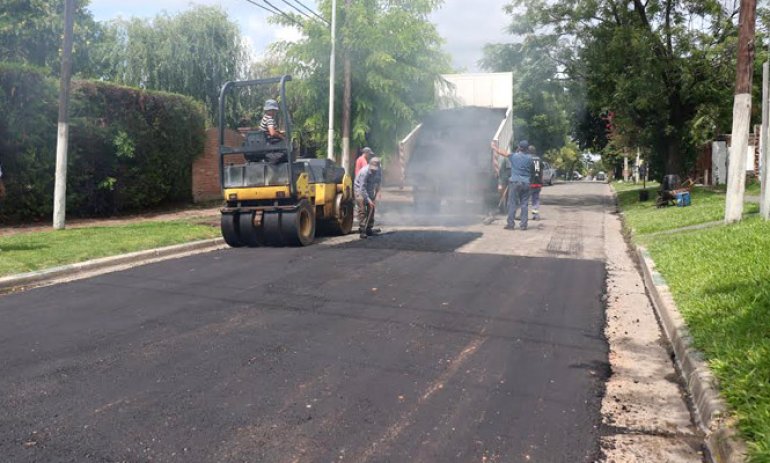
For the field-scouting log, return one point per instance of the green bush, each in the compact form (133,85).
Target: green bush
(129,149)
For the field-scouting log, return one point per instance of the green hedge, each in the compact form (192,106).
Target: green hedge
(129,149)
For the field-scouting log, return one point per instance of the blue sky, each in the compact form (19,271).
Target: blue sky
(465,25)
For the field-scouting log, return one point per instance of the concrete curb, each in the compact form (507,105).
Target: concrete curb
(721,440)
(72,270)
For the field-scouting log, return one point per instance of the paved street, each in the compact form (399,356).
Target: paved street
(448,340)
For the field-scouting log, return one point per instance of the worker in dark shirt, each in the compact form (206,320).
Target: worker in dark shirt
(518,188)
(536,182)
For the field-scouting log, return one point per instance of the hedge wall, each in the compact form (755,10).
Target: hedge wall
(129,149)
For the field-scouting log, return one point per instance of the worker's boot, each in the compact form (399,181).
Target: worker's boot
(362,234)
(373,231)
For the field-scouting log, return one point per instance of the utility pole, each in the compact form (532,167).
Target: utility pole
(60,185)
(330,146)
(736,175)
(764,197)
(347,102)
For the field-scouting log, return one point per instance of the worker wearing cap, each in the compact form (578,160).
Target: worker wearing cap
(535,182)
(363,160)
(366,187)
(268,123)
(518,187)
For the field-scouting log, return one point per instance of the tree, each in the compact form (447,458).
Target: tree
(192,53)
(660,66)
(396,59)
(540,98)
(31,33)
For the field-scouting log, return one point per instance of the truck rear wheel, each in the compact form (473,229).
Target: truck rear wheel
(250,235)
(230,232)
(298,227)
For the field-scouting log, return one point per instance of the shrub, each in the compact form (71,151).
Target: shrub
(129,149)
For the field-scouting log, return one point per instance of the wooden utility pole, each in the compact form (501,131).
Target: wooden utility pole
(60,185)
(736,175)
(346,97)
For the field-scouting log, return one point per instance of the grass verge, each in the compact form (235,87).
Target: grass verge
(720,280)
(27,252)
(644,218)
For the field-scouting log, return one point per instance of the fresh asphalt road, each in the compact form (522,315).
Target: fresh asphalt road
(372,351)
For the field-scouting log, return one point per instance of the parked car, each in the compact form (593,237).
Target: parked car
(601,177)
(577,176)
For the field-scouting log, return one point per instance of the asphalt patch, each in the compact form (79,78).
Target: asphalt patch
(309,354)
(415,240)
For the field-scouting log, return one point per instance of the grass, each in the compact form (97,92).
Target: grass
(720,279)
(644,218)
(34,251)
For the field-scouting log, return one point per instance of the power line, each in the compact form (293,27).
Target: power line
(297,10)
(283,13)
(275,11)
(311,11)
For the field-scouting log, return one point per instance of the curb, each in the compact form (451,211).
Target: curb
(722,441)
(72,270)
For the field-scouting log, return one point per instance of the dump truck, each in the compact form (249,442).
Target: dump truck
(448,157)
(272,197)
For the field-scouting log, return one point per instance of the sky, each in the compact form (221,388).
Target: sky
(466,25)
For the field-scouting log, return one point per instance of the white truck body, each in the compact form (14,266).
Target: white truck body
(482,90)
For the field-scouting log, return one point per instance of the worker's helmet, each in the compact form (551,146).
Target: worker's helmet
(532,149)
(374,163)
(271,105)
(524,144)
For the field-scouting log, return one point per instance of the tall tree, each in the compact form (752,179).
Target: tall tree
(540,98)
(396,58)
(658,65)
(31,32)
(192,53)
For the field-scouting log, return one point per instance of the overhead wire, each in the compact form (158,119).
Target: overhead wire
(311,11)
(276,11)
(297,10)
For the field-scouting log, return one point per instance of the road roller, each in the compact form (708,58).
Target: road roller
(272,197)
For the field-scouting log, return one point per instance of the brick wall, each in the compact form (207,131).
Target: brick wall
(205,172)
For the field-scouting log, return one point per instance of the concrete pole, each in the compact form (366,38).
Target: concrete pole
(625,167)
(764,199)
(60,184)
(332,64)
(347,103)
(636,166)
(736,175)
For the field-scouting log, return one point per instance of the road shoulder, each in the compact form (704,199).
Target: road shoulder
(644,410)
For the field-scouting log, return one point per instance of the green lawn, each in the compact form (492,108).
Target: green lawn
(720,279)
(34,251)
(643,217)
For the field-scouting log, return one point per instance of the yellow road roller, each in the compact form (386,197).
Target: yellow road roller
(272,198)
